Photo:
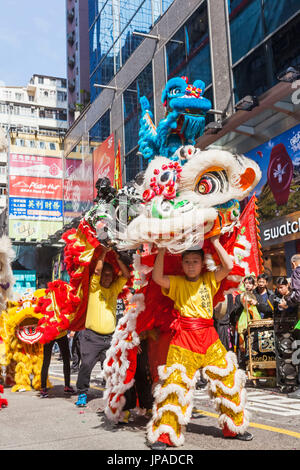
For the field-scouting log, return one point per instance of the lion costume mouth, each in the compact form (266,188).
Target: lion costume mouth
(27,332)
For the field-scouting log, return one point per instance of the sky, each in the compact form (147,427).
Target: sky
(32,40)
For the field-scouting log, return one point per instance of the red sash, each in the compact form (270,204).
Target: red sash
(190,323)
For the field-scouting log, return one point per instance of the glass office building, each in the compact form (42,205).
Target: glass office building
(111,39)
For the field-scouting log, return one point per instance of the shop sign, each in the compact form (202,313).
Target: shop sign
(44,209)
(280,230)
(35,165)
(28,186)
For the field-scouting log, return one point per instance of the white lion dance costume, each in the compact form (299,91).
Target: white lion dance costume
(6,293)
(184,197)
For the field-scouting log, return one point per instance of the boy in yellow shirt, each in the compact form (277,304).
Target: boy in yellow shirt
(100,320)
(195,345)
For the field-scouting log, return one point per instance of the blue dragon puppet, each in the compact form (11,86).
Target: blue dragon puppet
(186,109)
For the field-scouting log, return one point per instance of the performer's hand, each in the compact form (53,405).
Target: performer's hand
(215,238)
(106,249)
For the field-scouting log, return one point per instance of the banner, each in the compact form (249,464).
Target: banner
(43,209)
(104,161)
(78,186)
(249,229)
(35,165)
(118,169)
(29,186)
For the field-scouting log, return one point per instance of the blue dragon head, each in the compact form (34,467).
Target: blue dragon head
(186,110)
(184,98)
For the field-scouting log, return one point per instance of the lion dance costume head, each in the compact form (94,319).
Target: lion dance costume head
(23,351)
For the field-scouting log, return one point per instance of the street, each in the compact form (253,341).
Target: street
(54,423)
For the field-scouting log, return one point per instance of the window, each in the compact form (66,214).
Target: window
(18,96)
(61,96)
(52,146)
(275,17)
(142,86)
(41,80)
(257,72)
(246,28)
(253,20)
(188,52)
(135,163)
(101,130)
(42,145)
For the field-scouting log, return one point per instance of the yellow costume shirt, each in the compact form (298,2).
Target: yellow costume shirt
(102,305)
(193,299)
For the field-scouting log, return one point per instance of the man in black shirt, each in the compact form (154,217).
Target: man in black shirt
(264,297)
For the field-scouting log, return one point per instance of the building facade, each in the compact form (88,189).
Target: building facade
(38,109)
(241,49)
(77,57)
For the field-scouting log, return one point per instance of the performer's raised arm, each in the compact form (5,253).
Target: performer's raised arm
(124,269)
(226,261)
(100,262)
(158,270)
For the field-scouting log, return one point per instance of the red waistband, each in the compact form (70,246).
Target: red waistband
(190,323)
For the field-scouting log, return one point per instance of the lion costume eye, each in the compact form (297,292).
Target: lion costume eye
(212,182)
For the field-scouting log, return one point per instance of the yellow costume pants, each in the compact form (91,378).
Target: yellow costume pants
(173,398)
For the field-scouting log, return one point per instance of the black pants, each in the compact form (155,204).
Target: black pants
(75,351)
(63,344)
(142,388)
(93,347)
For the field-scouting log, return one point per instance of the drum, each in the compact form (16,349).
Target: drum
(262,341)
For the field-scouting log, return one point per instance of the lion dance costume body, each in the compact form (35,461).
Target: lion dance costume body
(184,197)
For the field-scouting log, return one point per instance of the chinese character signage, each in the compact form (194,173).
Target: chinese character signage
(29,208)
(35,165)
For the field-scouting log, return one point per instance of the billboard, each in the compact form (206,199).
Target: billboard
(30,186)
(35,195)
(35,165)
(28,208)
(279,160)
